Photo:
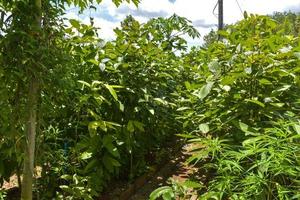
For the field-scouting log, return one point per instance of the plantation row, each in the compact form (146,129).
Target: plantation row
(241,111)
(89,112)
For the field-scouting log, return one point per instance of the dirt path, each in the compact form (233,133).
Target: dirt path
(175,168)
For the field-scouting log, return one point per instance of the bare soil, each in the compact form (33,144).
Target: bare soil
(176,169)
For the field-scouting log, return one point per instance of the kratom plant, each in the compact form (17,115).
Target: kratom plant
(239,109)
(33,54)
(114,103)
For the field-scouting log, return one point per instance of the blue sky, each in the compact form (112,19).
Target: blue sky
(200,12)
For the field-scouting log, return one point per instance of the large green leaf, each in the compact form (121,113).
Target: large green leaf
(112,91)
(204,91)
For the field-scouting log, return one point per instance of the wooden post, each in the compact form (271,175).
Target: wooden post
(221,15)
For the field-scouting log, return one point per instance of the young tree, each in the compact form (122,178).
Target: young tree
(26,55)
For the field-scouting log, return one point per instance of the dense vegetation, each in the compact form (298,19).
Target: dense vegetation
(243,105)
(88,112)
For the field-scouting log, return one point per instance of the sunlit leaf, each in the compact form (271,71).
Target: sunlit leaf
(112,91)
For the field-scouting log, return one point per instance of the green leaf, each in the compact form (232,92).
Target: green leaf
(66,188)
(75,23)
(278,105)
(185,136)
(297,128)
(187,85)
(113,150)
(151,110)
(139,125)
(93,61)
(192,184)
(204,91)
(283,88)
(244,127)
(297,54)
(95,124)
(85,83)
(101,66)
(161,101)
(183,108)
(159,192)
(112,91)
(168,196)
(264,81)
(86,155)
(204,128)
(90,166)
(255,102)
(248,70)
(130,126)
(214,66)
(109,162)
(121,106)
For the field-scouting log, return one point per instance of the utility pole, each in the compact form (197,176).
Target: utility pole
(220,15)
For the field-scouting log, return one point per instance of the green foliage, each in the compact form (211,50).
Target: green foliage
(56,57)
(248,72)
(77,188)
(243,92)
(83,4)
(122,104)
(290,21)
(265,165)
(2,194)
(103,108)
(175,191)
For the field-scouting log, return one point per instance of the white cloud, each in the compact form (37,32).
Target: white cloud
(106,30)
(195,10)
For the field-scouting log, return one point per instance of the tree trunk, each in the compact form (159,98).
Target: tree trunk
(31,122)
(28,170)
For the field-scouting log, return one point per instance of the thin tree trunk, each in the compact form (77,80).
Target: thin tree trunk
(28,170)
(31,122)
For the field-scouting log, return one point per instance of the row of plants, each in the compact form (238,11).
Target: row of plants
(241,111)
(88,112)
(93,111)
(127,114)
